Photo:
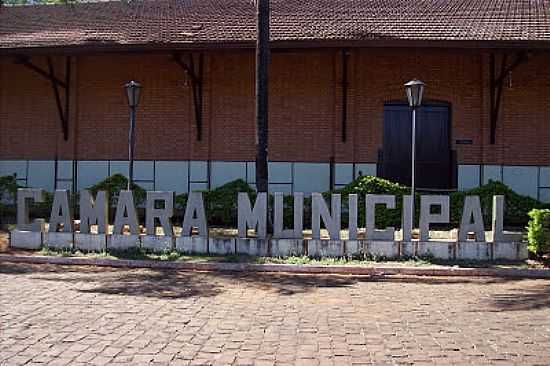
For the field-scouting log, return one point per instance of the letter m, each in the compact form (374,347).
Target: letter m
(252,218)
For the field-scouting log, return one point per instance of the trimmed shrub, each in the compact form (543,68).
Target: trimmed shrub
(516,206)
(8,194)
(116,183)
(8,189)
(221,203)
(364,185)
(538,231)
(179,202)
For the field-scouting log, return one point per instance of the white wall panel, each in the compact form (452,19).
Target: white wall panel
(119,167)
(65,169)
(544,176)
(492,172)
(522,179)
(365,169)
(11,167)
(468,177)
(311,177)
(343,173)
(41,174)
(226,171)
(171,176)
(198,171)
(280,172)
(91,172)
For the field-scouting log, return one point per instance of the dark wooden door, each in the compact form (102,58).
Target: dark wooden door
(433,151)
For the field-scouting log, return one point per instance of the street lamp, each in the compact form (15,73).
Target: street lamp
(133,89)
(414,90)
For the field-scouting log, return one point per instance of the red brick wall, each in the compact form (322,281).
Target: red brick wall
(305,106)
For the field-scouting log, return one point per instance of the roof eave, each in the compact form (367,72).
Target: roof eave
(285,44)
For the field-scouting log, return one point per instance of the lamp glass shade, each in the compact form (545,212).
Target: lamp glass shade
(133,89)
(415,91)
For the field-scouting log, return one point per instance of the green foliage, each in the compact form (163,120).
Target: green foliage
(114,184)
(8,188)
(221,203)
(8,193)
(516,206)
(538,231)
(364,185)
(180,201)
(38,2)
(288,210)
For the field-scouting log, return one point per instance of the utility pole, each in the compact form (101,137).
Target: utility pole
(262,84)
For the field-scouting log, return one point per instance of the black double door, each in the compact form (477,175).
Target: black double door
(433,151)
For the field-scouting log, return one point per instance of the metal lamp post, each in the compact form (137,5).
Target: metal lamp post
(133,89)
(414,90)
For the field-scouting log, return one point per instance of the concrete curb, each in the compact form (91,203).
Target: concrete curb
(286,268)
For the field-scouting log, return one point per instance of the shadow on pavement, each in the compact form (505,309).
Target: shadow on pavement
(159,284)
(531,298)
(172,284)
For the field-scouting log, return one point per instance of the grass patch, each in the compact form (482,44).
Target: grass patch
(142,254)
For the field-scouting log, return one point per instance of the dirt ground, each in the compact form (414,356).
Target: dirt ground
(3,241)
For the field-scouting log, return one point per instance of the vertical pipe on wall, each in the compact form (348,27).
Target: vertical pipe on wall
(262,79)
(131,146)
(332,173)
(75,137)
(67,96)
(55,171)
(344,81)
(492,86)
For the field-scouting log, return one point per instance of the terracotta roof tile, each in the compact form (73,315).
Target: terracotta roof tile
(181,22)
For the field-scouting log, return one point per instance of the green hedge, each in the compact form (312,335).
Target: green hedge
(8,188)
(364,185)
(220,203)
(116,183)
(538,231)
(516,210)
(8,193)
(516,206)
(113,185)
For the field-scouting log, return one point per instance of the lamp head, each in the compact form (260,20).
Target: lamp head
(133,89)
(415,91)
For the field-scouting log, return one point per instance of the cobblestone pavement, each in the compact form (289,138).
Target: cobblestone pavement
(59,315)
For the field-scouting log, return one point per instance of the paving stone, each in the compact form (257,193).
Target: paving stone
(88,315)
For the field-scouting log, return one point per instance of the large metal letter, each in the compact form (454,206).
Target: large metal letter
(472,207)
(194,215)
(406,218)
(497,222)
(427,218)
(61,212)
(126,214)
(278,219)
(320,210)
(370,205)
(94,212)
(253,218)
(24,195)
(162,214)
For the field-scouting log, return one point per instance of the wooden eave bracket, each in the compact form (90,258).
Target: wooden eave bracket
(195,74)
(56,83)
(496,85)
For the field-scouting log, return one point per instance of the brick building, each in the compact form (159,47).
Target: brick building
(337,106)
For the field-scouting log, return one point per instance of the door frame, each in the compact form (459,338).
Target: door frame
(430,102)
